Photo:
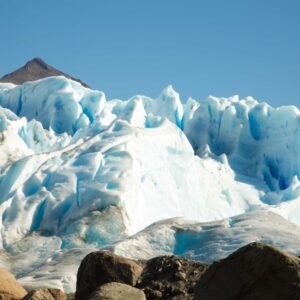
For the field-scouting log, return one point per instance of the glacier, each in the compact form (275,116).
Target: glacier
(141,177)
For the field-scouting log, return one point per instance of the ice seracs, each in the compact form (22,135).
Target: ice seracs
(58,103)
(259,140)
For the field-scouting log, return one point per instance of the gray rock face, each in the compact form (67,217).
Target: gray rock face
(170,277)
(101,267)
(34,70)
(117,291)
(46,294)
(256,271)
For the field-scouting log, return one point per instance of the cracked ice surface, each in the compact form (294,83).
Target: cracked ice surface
(78,173)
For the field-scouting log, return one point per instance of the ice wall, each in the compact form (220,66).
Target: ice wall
(58,103)
(260,141)
(80,172)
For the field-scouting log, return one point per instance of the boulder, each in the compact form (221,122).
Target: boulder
(101,267)
(117,291)
(46,294)
(10,289)
(256,271)
(70,296)
(170,277)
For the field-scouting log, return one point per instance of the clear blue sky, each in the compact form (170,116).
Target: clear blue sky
(128,47)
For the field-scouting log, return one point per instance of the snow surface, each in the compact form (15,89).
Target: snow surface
(78,172)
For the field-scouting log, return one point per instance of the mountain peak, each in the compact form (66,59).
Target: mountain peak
(37,61)
(35,69)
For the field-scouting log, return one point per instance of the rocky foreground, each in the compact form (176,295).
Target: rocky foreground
(256,271)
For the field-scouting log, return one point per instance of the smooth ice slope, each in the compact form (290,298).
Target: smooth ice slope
(78,173)
(212,241)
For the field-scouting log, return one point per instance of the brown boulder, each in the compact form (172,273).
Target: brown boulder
(70,296)
(46,294)
(10,289)
(117,291)
(170,277)
(101,267)
(256,271)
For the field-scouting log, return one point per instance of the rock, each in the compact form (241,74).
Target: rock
(256,271)
(70,296)
(58,294)
(180,275)
(10,289)
(46,294)
(117,291)
(153,294)
(170,277)
(40,294)
(101,267)
(34,70)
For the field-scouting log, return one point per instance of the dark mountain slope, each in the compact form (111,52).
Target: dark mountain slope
(34,70)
